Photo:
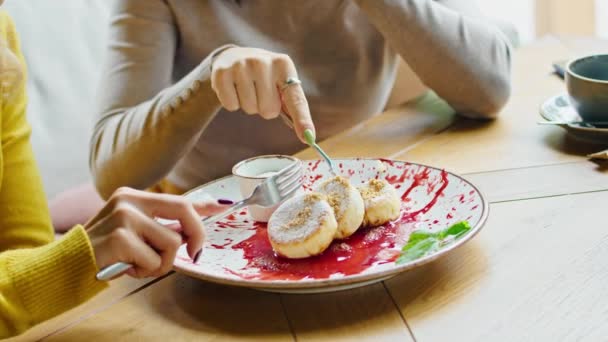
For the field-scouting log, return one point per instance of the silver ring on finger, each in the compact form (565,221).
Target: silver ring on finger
(289,82)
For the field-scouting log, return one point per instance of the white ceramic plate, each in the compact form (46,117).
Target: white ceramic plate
(237,251)
(558,108)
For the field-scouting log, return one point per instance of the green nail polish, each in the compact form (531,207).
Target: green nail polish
(309,136)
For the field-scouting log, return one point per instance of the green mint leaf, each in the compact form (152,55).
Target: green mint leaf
(421,243)
(418,235)
(420,248)
(415,237)
(455,230)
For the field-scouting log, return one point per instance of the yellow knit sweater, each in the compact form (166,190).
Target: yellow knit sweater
(39,278)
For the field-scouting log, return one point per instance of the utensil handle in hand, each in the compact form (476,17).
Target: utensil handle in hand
(118,268)
(112,271)
(287,120)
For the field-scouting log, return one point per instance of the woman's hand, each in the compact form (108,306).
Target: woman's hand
(125,230)
(254,80)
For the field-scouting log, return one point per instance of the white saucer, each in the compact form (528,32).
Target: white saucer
(558,108)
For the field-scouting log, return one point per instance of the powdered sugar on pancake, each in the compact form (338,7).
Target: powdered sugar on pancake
(376,190)
(382,204)
(337,191)
(298,218)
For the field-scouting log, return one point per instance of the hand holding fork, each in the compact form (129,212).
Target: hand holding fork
(272,191)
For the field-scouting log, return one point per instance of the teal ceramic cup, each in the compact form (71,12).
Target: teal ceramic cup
(587,83)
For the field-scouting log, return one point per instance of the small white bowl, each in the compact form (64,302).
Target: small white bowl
(253,171)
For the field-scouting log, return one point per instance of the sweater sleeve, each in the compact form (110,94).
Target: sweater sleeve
(140,110)
(24,215)
(38,278)
(39,283)
(464,58)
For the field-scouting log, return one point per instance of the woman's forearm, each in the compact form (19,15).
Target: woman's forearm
(453,50)
(144,122)
(137,146)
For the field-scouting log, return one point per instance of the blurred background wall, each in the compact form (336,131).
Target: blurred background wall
(536,18)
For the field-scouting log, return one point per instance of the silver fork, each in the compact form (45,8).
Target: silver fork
(270,192)
(311,141)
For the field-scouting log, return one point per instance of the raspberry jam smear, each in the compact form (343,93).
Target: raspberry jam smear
(365,248)
(351,256)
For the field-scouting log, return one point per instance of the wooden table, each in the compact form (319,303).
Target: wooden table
(537,271)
